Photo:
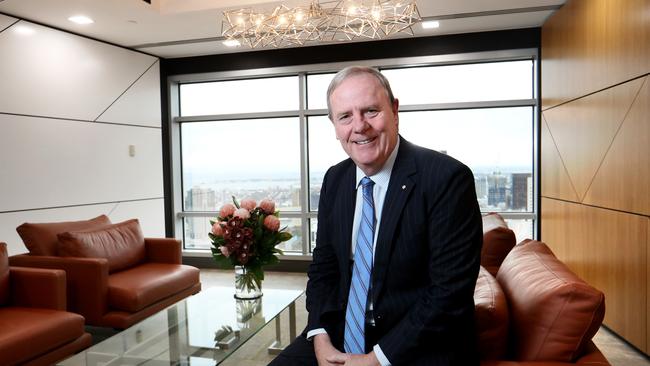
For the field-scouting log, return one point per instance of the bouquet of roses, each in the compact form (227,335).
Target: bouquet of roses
(245,234)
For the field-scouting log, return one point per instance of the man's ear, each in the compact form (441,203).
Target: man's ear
(395,108)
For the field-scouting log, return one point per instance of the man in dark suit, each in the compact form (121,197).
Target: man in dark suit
(398,244)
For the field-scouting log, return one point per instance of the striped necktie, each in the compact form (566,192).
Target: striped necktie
(358,296)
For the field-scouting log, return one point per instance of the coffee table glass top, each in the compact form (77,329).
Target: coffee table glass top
(203,329)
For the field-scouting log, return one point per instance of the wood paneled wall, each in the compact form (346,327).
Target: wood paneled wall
(595,153)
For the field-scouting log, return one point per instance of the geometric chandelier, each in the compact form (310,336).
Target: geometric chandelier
(341,20)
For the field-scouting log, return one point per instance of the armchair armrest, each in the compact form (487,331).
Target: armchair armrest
(86,281)
(163,250)
(37,288)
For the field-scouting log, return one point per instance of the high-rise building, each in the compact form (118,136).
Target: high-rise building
(497,189)
(520,187)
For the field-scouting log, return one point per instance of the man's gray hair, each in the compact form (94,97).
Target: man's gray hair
(353,71)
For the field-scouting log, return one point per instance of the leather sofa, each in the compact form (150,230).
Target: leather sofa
(35,329)
(536,311)
(115,276)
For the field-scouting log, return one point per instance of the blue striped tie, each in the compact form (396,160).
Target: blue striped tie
(356,310)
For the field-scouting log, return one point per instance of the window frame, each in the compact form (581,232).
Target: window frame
(305,214)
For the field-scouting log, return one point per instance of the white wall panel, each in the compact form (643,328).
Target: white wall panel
(51,163)
(150,213)
(46,72)
(9,221)
(6,21)
(140,105)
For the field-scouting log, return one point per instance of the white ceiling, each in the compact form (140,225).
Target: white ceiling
(180,28)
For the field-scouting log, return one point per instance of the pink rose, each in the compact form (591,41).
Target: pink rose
(217,230)
(272,223)
(248,204)
(242,213)
(227,210)
(224,251)
(267,206)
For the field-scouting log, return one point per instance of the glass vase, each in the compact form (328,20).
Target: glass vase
(245,285)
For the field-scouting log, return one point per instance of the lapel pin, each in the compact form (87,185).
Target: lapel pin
(404,186)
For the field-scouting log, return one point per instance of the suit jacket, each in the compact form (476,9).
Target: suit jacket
(426,260)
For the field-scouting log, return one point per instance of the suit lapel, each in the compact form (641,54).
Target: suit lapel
(346,201)
(399,189)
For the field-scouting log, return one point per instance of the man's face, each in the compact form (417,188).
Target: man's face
(365,121)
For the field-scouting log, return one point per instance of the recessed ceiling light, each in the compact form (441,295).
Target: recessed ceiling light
(24,30)
(231,43)
(431,24)
(81,19)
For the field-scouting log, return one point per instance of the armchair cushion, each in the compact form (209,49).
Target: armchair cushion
(491,313)
(136,288)
(553,313)
(121,244)
(41,238)
(498,240)
(30,331)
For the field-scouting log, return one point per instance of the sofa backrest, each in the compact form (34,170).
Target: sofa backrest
(553,313)
(41,238)
(121,244)
(498,240)
(491,314)
(4,274)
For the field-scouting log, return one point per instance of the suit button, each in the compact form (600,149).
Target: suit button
(378,317)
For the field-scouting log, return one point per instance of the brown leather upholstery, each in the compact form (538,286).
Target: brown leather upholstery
(121,244)
(4,275)
(491,312)
(135,291)
(498,240)
(136,288)
(41,238)
(34,328)
(553,313)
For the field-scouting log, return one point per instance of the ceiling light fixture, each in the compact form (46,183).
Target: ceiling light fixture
(431,24)
(342,20)
(81,19)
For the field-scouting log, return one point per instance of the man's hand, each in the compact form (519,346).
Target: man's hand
(325,350)
(354,360)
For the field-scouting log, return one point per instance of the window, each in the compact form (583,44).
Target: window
(251,138)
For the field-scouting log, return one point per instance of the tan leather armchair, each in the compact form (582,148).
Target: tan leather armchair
(35,328)
(115,277)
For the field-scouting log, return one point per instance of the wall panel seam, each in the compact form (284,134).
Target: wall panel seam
(596,206)
(80,120)
(594,92)
(127,89)
(9,26)
(560,156)
(618,130)
(84,204)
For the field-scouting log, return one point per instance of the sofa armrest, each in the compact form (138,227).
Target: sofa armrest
(37,288)
(163,250)
(86,281)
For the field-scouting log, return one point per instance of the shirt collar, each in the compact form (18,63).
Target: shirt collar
(382,177)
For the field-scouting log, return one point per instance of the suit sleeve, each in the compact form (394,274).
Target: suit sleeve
(454,239)
(323,284)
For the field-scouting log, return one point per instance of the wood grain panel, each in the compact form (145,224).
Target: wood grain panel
(647,249)
(584,129)
(623,180)
(607,249)
(590,45)
(555,181)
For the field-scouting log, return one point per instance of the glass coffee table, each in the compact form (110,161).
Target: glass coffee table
(204,329)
